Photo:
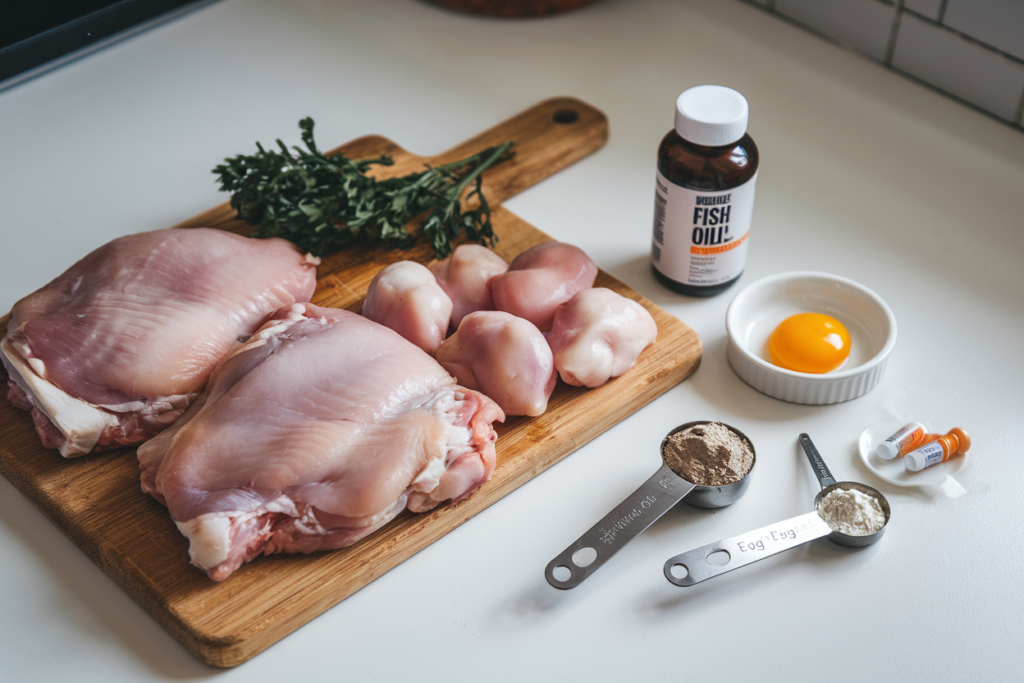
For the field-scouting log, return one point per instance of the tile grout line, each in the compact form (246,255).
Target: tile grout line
(899,10)
(977,42)
(894,32)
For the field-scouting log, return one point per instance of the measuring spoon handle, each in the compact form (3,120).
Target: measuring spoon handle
(821,470)
(744,549)
(620,526)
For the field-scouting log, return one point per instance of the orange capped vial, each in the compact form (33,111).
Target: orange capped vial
(906,439)
(940,450)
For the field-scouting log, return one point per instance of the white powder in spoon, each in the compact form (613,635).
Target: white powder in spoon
(852,512)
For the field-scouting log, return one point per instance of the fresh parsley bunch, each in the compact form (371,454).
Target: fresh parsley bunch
(323,203)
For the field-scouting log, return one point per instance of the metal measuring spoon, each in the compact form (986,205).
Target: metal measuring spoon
(638,512)
(739,551)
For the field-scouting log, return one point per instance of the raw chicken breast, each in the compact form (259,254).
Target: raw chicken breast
(540,279)
(115,349)
(406,297)
(316,432)
(465,276)
(597,335)
(503,356)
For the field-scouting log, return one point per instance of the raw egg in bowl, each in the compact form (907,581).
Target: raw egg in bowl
(810,338)
(809,342)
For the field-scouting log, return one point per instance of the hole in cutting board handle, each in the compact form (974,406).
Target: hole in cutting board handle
(566,116)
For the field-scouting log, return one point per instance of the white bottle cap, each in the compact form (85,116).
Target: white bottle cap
(914,461)
(711,115)
(887,450)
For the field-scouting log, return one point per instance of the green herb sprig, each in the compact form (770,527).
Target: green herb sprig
(323,203)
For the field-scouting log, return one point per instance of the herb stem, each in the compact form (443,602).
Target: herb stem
(498,152)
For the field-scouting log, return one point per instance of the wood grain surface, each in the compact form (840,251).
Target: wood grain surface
(96,500)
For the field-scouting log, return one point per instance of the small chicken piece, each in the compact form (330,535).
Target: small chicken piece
(598,335)
(465,276)
(540,279)
(503,357)
(406,297)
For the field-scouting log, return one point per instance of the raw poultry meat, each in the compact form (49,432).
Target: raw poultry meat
(505,357)
(540,279)
(598,335)
(465,276)
(406,297)
(315,433)
(115,348)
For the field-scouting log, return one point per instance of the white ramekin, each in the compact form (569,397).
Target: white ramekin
(761,306)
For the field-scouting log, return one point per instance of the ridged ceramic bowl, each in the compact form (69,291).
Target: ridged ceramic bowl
(759,308)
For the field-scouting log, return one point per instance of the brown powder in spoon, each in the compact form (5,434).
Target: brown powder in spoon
(708,455)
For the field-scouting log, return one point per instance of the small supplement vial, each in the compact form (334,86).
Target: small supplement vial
(704,194)
(906,439)
(940,450)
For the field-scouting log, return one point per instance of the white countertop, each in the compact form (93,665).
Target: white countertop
(864,174)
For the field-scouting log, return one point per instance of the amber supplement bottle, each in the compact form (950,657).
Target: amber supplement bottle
(707,170)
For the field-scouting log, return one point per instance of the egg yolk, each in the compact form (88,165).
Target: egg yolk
(809,342)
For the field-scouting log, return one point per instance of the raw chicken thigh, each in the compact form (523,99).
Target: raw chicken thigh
(465,276)
(542,278)
(114,350)
(316,432)
(406,297)
(598,335)
(503,356)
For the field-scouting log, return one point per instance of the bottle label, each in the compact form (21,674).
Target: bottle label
(907,437)
(932,454)
(700,238)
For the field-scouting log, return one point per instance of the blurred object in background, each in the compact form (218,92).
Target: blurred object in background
(512,8)
(39,35)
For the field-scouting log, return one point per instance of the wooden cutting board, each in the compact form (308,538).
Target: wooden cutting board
(97,501)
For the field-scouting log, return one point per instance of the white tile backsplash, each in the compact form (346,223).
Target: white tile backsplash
(971,49)
(927,8)
(960,67)
(999,23)
(865,25)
